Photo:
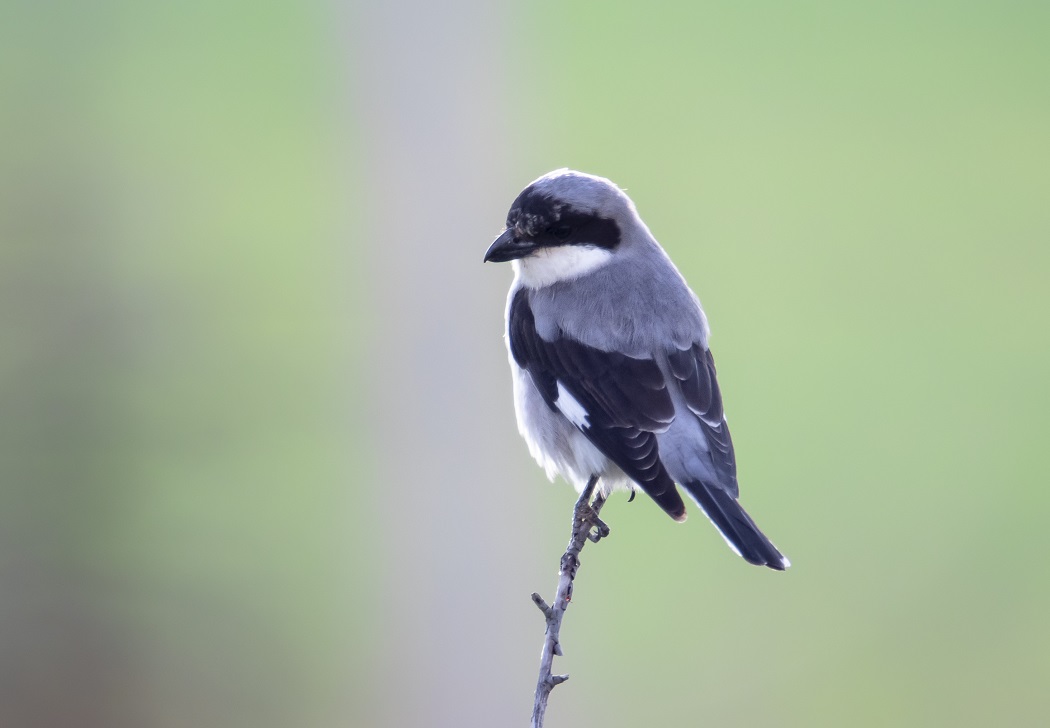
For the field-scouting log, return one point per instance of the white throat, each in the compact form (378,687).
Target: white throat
(559,263)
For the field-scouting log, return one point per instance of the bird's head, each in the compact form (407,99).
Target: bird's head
(562,225)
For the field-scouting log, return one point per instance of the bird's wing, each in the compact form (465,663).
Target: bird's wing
(618,402)
(698,452)
(694,370)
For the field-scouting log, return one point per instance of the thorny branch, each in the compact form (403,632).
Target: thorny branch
(584,519)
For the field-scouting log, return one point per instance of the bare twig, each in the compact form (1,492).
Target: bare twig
(584,519)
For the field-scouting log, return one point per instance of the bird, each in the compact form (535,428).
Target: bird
(613,377)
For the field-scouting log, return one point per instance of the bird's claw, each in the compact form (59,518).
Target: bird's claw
(597,529)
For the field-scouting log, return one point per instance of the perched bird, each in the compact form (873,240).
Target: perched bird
(613,375)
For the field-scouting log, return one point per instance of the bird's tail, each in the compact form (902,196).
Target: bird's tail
(737,528)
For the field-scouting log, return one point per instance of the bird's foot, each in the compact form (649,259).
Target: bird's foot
(587,517)
(599,530)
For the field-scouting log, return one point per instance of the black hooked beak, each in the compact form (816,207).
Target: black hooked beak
(507,247)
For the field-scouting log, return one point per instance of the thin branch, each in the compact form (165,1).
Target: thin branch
(584,519)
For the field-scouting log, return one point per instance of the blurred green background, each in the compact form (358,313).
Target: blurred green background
(258,462)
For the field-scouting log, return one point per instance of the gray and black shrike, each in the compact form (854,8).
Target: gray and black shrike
(613,375)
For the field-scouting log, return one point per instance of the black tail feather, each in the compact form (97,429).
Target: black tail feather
(736,526)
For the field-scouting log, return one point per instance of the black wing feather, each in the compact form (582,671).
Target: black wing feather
(694,368)
(626,399)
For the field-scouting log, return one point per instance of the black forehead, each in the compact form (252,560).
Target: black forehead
(541,212)
(537,204)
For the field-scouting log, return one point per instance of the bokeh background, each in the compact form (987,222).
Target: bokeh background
(258,462)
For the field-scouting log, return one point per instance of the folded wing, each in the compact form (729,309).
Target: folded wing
(619,403)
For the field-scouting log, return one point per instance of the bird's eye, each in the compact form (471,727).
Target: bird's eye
(561,231)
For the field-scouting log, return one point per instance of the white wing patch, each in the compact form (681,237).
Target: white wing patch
(571,408)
